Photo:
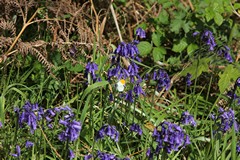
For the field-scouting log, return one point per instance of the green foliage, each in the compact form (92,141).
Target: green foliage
(145,48)
(227,77)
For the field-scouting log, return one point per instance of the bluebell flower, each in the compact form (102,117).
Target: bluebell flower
(29,144)
(71,154)
(105,156)
(149,154)
(238,147)
(138,90)
(18,152)
(28,116)
(238,82)
(208,38)
(141,33)
(188,79)
(91,68)
(225,120)
(87,157)
(195,33)
(72,130)
(162,79)
(1,125)
(109,131)
(170,138)
(129,96)
(225,51)
(136,128)
(188,119)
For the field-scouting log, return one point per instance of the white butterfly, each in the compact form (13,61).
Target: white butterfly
(121,85)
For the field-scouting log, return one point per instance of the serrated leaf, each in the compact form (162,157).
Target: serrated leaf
(176,25)
(163,17)
(180,46)
(229,75)
(144,48)
(196,68)
(218,19)
(158,53)
(191,48)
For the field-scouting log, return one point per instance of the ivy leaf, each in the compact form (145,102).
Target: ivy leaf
(144,48)
(158,53)
(229,75)
(180,46)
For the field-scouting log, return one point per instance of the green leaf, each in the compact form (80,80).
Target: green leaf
(144,48)
(191,48)
(229,75)
(218,19)
(163,17)
(180,46)
(236,5)
(209,14)
(176,25)
(156,39)
(197,68)
(158,53)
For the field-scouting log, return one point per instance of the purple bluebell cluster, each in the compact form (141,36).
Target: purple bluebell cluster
(29,144)
(208,38)
(140,33)
(136,128)
(108,130)
(187,119)
(170,137)
(108,156)
(225,51)
(162,78)
(225,120)
(91,68)
(29,116)
(18,152)
(1,124)
(130,53)
(188,79)
(72,130)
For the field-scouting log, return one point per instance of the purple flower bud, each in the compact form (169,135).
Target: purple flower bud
(141,33)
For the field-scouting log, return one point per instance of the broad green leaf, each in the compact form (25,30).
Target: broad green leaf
(218,19)
(191,48)
(196,68)
(156,39)
(176,25)
(209,14)
(180,46)
(158,53)
(229,75)
(163,17)
(144,48)
(236,5)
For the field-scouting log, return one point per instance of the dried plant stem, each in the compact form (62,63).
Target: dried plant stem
(116,22)
(125,61)
(59,156)
(22,30)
